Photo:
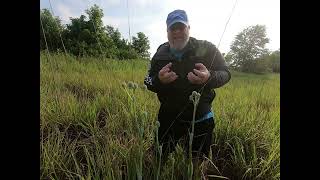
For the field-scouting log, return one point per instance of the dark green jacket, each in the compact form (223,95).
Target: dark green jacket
(175,95)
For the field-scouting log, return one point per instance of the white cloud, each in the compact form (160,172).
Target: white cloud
(144,3)
(107,3)
(156,31)
(113,2)
(207,18)
(116,22)
(64,12)
(136,24)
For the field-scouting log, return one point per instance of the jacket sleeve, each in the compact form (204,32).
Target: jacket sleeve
(152,80)
(219,72)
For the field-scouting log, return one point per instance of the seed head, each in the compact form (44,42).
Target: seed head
(130,85)
(124,84)
(145,113)
(144,87)
(135,86)
(157,124)
(194,97)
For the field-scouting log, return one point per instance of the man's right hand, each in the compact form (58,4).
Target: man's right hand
(166,76)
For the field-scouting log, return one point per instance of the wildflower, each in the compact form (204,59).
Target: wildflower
(124,84)
(135,86)
(157,124)
(130,85)
(195,97)
(144,87)
(145,114)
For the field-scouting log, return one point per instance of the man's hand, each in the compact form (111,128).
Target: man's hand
(200,75)
(165,76)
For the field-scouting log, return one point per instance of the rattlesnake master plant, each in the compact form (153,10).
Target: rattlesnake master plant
(133,85)
(194,97)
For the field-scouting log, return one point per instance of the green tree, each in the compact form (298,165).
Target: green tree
(102,45)
(78,36)
(248,47)
(50,27)
(95,15)
(261,64)
(228,59)
(115,36)
(141,44)
(87,36)
(274,61)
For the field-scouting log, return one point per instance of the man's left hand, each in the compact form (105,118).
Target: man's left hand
(199,75)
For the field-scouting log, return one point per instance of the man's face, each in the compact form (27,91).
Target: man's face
(178,35)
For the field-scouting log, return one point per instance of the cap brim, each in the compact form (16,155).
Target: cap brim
(176,21)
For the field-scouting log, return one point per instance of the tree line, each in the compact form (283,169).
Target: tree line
(87,36)
(249,54)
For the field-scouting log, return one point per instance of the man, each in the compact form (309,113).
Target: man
(179,67)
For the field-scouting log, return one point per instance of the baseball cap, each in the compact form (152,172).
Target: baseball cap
(177,16)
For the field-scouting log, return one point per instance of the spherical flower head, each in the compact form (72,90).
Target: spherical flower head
(195,97)
(144,87)
(135,86)
(124,84)
(130,85)
(157,124)
(145,113)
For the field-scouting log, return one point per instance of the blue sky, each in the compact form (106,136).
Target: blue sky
(207,18)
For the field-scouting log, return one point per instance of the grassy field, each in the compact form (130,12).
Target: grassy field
(93,126)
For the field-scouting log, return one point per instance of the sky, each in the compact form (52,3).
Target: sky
(207,18)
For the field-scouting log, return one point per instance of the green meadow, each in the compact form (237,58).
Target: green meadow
(94,125)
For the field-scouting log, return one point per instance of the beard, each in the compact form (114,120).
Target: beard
(179,44)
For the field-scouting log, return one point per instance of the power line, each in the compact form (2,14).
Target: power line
(58,29)
(129,22)
(44,35)
(225,27)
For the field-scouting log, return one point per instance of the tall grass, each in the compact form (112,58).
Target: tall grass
(93,126)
